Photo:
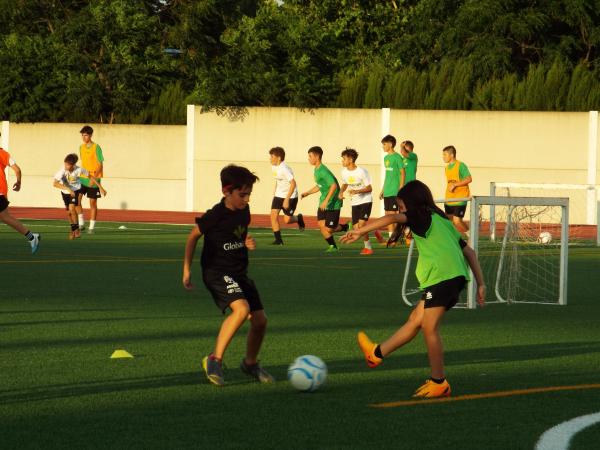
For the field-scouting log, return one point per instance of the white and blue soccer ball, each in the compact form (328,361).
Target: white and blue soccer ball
(307,373)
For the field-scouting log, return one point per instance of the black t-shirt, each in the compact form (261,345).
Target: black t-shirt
(225,234)
(420,221)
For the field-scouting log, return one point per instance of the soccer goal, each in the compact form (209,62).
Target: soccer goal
(526,260)
(584,212)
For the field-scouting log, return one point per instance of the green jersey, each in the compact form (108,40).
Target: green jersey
(393,164)
(440,255)
(410,167)
(324,179)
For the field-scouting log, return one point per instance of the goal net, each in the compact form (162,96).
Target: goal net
(583,205)
(526,260)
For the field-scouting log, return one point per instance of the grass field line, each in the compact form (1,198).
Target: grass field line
(497,394)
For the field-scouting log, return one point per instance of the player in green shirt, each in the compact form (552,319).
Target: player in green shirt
(442,271)
(410,160)
(394,173)
(328,214)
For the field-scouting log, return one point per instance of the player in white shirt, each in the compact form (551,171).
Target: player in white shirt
(357,182)
(68,180)
(285,197)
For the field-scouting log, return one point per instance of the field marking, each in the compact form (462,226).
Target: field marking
(486,395)
(559,437)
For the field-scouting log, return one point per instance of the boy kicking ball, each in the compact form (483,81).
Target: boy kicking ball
(225,273)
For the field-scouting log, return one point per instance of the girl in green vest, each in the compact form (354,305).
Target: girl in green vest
(442,271)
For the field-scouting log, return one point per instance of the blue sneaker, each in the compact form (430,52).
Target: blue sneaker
(35,242)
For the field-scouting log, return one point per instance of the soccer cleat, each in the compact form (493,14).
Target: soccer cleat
(332,249)
(368,348)
(379,237)
(301,224)
(90,231)
(431,389)
(277,242)
(35,242)
(256,372)
(81,227)
(71,235)
(366,251)
(213,370)
(76,233)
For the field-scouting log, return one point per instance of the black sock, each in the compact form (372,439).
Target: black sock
(438,380)
(29,235)
(74,226)
(378,352)
(344,227)
(277,235)
(331,241)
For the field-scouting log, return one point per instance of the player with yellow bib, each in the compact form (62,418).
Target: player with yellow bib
(458,179)
(92,160)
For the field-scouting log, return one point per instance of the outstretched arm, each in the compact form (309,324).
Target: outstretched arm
(384,221)
(471,258)
(190,248)
(313,190)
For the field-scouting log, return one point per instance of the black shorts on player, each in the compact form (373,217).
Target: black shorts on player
(90,192)
(361,212)
(68,200)
(226,289)
(278,204)
(3,203)
(444,293)
(390,204)
(330,216)
(455,210)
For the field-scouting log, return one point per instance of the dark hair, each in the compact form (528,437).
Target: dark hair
(389,138)
(450,149)
(236,177)
(418,199)
(87,130)
(279,152)
(316,150)
(350,153)
(71,158)
(409,145)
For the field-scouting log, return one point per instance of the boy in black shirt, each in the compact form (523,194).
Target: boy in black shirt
(224,272)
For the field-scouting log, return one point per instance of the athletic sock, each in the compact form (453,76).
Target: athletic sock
(378,352)
(344,227)
(438,380)
(368,245)
(92,224)
(331,241)
(81,220)
(74,226)
(277,235)
(389,234)
(29,235)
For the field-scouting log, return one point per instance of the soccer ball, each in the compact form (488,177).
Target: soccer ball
(544,237)
(307,373)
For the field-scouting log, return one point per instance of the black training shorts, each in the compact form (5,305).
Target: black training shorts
(3,203)
(278,204)
(455,210)
(330,216)
(227,288)
(390,204)
(361,212)
(68,200)
(91,192)
(444,293)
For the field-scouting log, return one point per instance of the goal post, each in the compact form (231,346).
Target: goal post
(526,259)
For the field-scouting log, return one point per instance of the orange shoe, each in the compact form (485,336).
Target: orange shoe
(366,251)
(76,234)
(379,237)
(368,348)
(433,390)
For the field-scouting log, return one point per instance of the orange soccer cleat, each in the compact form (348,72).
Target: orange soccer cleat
(431,389)
(366,251)
(368,348)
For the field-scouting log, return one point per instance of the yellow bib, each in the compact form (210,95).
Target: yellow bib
(452,176)
(89,160)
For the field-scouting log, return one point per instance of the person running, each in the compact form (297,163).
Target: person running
(92,160)
(330,204)
(5,216)
(458,179)
(224,264)
(394,173)
(285,197)
(68,180)
(442,271)
(357,182)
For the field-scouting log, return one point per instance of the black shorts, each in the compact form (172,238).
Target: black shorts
(91,192)
(390,204)
(330,216)
(3,203)
(361,212)
(455,210)
(226,289)
(68,200)
(445,293)
(278,204)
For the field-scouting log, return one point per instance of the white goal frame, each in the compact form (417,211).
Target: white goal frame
(475,203)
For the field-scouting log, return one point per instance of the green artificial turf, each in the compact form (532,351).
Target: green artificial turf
(66,309)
